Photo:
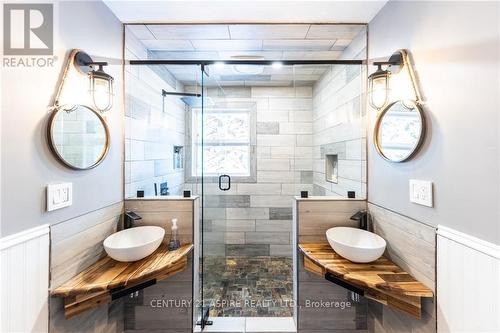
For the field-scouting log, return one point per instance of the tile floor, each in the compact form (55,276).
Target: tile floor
(248,287)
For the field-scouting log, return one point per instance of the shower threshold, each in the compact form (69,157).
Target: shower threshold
(250,325)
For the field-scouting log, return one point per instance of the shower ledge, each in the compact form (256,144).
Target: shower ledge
(108,279)
(381,280)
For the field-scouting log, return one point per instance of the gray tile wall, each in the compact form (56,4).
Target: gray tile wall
(151,132)
(339,125)
(255,219)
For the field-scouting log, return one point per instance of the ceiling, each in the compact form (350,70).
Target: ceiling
(245,11)
(248,41)
(224,41)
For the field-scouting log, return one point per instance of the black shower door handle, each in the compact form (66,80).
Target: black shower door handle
(228,183)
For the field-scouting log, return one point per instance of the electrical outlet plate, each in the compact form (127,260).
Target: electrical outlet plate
(421,192)
(59,196)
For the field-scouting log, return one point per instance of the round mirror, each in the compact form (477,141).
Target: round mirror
(399,131)
(79,137)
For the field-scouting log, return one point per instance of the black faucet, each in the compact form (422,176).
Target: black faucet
(362,218)
(130,217)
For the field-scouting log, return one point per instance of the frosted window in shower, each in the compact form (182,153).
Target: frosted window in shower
(227,127)
(233,160)
(226,143)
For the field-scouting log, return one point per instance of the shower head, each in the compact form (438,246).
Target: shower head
(195,102)
(190,99)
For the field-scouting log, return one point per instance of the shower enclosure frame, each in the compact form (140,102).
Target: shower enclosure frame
(203,312)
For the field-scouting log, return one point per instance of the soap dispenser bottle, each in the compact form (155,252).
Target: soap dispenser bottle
(174,240)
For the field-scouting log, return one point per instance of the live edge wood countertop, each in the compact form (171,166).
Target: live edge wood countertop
(96,284)
(380,280)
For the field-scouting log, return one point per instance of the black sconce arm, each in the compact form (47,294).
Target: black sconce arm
(97,63)
(401,61)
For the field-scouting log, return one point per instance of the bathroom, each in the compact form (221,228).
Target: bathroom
(271,138)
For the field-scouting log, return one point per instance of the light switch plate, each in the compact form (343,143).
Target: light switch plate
(421,192)
(59,195)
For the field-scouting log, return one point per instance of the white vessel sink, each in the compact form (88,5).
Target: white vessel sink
(134,244)
(356,245)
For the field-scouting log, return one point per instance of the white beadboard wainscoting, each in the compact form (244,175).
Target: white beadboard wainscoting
(25,281)
(468,283)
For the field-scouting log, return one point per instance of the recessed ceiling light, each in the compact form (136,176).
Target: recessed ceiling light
(247,57)
(248,69)
(219,65)
(277,64)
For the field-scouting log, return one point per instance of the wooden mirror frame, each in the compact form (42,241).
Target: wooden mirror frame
(54,149)
(420,140)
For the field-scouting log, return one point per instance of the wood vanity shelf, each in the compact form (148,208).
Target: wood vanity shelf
(380,280)
(108,279)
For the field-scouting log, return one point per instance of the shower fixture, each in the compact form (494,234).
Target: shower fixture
(195,101)
(172,93)
(190,99)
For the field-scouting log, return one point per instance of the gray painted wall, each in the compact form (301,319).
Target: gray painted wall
(27,165)
(456,51)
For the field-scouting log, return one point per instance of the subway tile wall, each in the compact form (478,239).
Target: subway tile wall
(151,128)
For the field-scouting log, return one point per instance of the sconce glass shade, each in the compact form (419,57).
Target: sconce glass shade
(379,88)
(101,89)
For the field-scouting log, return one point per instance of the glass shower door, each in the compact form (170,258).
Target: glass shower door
(229,144)
(247,195)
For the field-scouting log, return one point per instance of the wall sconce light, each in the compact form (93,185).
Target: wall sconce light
(100,84)
(379,87)
(396,82)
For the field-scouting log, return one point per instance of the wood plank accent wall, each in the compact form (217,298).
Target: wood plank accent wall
(315,217)
(75,245)
(167,305)
(312,217)
(160,212)
(412,246)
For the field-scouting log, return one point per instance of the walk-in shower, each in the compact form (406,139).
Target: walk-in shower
(259,120)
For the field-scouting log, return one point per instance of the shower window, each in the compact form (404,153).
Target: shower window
(227,143)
